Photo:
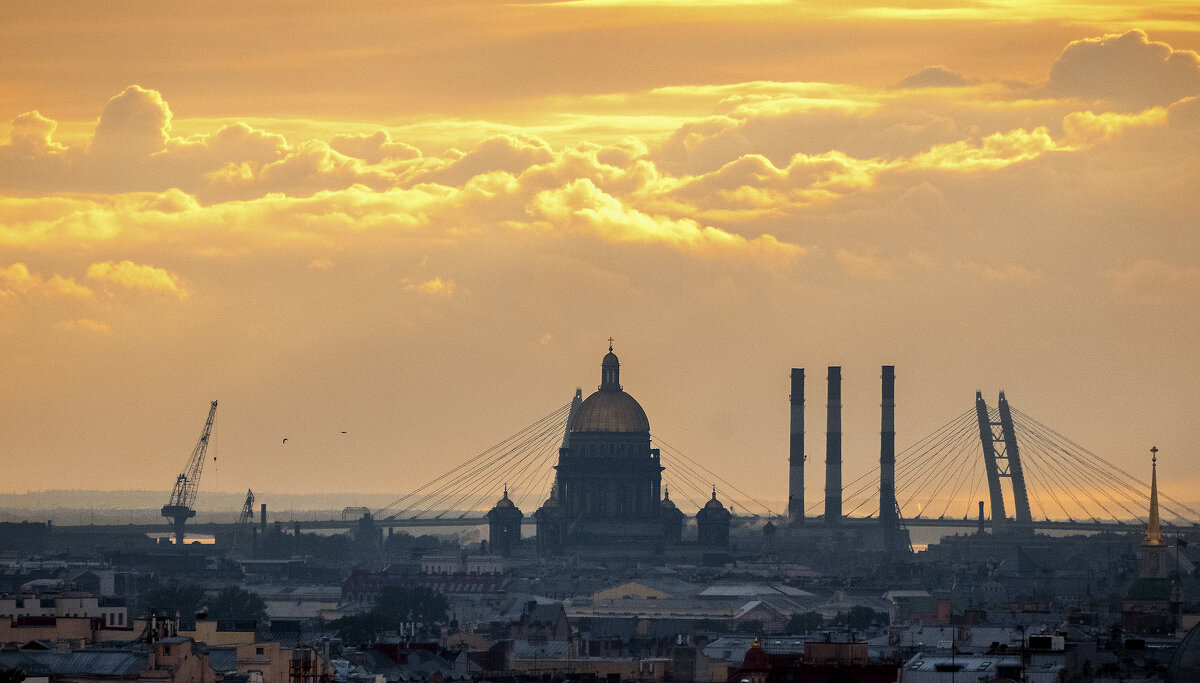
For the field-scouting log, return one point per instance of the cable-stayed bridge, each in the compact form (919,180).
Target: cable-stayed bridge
(1030,476)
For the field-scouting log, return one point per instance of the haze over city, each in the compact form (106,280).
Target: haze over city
(396,234)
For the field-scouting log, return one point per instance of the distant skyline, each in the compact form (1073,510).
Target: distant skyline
(396,233)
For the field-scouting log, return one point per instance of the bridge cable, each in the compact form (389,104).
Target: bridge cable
(481,461)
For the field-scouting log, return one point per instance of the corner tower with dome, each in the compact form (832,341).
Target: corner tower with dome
(608,483)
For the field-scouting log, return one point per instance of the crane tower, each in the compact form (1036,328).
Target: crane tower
(179,509)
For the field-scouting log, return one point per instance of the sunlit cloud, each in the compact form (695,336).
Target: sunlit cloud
(435,287)
(584,207)
(84,325)
(135,276)
(16,279)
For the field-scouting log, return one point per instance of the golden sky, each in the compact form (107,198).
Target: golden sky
(419,222)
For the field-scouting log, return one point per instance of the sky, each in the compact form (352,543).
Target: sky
(419,223)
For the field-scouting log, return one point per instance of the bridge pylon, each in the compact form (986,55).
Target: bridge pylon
(1002,460)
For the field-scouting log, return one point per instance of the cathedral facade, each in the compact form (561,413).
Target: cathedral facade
(608,493)
(608,481)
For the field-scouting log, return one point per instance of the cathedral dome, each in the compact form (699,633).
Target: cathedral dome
(610,409)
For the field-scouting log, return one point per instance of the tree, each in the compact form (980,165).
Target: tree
(236,604)
(182,599)
(398,605)
(394,609)
(861,617)
(359,629)
(803,623)
(11,675)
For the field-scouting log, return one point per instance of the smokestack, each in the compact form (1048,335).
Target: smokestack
(833,449)
(796,454)
(262,518)
(887,451)
(981,528)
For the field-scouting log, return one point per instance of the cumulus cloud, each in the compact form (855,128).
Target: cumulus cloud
(373,148)
(18,280)
(507,153)
(583,207)
(34,133)
(1128,69)
(933,77)
(134,276)
(136,123)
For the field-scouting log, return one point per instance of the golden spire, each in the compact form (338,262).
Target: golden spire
(1153,525)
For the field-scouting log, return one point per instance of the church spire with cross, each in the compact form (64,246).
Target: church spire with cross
(1153,523)
(1153,552)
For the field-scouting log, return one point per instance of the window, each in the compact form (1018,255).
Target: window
(258,650)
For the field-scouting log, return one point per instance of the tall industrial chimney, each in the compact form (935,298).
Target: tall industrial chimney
(796,454)
(833,449)
(887,456)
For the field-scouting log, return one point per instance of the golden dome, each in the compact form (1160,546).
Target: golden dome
(610,409)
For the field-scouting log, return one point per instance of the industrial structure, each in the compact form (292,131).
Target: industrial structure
(884,533)
(179,509)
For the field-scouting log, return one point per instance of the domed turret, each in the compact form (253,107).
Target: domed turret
(712,523)
(505,501)
(504,525)
(713,503)
(672,519)
(667,503)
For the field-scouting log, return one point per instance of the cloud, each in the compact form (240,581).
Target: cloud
(136,123)
(1155,281)
(994,151)
(1127,69)
(581,206)
(508,153)
(1011,273)
(373,148)
(34,133)
(135,276)
(435,287)
(933,77)
(863,265)
(17,280)
(84,325)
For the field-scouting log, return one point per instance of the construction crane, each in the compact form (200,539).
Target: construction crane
(243,526)
(179,509)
